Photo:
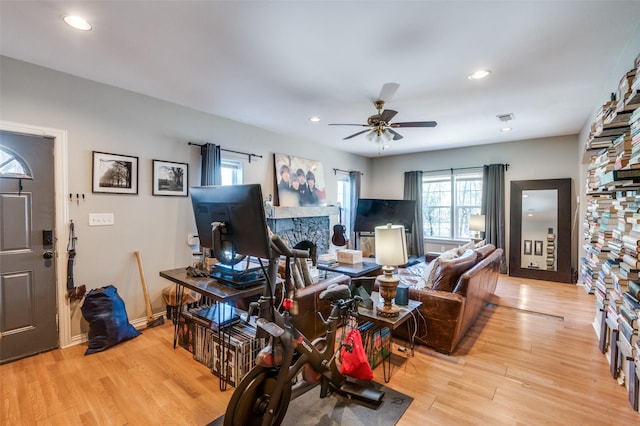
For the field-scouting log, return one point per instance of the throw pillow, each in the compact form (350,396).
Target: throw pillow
(481,243)
(429,272)
(466,246)
(449,272)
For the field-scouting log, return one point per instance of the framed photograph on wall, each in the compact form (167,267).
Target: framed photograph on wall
(537,249)
(527,247)
(170,178)
(299,182)
(114,173)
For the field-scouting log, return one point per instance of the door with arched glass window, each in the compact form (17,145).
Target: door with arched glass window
(28,305)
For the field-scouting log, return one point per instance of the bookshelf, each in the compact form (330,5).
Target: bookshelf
(611,230)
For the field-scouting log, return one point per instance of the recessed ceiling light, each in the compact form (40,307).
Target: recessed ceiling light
(77,22)
(314,119)
(506,129)
(479,74)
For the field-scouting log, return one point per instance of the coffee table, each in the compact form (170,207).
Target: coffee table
(353,270)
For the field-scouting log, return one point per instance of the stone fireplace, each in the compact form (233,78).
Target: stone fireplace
(296,224)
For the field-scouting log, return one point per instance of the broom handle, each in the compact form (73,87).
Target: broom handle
(144,287)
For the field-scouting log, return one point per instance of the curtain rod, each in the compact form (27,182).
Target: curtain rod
(335,171)
(506,167)
(230,150)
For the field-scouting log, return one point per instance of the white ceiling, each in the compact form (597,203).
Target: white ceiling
(274,64)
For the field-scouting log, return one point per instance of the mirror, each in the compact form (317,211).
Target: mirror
(539,222)
(540,237)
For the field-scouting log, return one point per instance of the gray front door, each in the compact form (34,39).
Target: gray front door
(28,308)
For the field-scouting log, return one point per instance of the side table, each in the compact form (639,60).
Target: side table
(406,312)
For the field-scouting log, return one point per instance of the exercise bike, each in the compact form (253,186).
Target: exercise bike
(263,395)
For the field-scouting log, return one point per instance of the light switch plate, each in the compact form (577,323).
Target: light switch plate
(101,219)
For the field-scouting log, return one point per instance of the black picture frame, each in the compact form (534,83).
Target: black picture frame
(114,173)
(527,247)
(537,248)
(170,178)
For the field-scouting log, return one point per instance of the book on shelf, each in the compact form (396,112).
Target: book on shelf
(634,289)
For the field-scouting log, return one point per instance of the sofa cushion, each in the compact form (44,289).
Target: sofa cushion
(449,271)
(465,247)
(429,271)
(484,251)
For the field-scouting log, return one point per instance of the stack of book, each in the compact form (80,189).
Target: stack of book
(201,335)
(327,260)
(551,250)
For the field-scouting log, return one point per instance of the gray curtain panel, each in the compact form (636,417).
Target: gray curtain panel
(211,173)
(493,207)
(355,180)
(413,191)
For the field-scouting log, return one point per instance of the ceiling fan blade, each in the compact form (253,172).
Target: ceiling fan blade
(345,124)
(396,136)
(415,124)
(387,91)
(355,134)
(387,115)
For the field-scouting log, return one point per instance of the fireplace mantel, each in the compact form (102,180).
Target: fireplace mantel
(296,224)
(294,212)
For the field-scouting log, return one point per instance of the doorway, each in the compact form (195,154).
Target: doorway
(28,280)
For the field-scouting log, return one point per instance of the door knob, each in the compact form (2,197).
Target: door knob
(48,254)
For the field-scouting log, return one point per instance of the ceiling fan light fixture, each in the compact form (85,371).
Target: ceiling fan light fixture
(480,74)
(77,22)
(506,129)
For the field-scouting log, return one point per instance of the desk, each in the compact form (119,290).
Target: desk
(353,270)
(406,312)
(210,288)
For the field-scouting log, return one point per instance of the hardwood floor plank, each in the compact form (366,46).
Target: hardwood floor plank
(531,358)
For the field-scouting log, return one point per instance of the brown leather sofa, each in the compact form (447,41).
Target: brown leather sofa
(309,304)
(464,286)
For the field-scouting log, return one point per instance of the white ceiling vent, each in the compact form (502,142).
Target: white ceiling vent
(506,117)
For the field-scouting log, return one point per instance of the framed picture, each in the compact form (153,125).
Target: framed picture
(114,173)
(170,178)
(299,182)
(527,247)
(537,249)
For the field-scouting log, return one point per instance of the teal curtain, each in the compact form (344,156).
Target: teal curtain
(413,191)
(355,181)
(493,207)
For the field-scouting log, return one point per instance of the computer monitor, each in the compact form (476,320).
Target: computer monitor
(241,209)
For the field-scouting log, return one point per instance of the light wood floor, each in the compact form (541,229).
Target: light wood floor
(530,360)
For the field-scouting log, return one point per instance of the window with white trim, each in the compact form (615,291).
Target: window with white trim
(231,171)
(448,201)
(344,198)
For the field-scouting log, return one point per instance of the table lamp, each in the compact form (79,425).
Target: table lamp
(476,225)
(391,251)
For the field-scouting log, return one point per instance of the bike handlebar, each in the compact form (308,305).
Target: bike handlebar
(279,245)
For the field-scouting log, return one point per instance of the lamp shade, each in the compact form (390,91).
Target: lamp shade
(476,223)
(391,246)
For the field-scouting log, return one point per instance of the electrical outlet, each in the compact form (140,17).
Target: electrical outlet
(101,219)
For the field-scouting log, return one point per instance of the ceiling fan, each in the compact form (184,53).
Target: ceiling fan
(379,126)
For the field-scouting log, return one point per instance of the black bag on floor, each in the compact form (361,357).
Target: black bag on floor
(109,325)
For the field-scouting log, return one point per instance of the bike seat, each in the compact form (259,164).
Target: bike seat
(336,292)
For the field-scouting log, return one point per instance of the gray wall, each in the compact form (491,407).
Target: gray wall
(547,158)
(103,118)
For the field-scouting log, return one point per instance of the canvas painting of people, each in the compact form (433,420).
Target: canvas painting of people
(299,182)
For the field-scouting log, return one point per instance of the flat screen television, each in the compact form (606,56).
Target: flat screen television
(241,209)
(376,212)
